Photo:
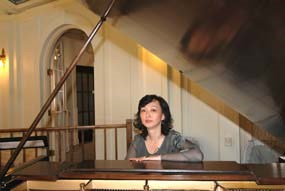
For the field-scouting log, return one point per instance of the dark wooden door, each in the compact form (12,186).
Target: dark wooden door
(85,99)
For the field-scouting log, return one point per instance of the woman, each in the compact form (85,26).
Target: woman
(157,140)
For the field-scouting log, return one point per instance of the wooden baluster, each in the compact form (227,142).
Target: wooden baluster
(11,135)
(36,149)
(70,140)
(59,146)
(116,143)
(129,131)
(105,144)
(82,144)
(0,158)
(94,142)
(49,145)
(24,151)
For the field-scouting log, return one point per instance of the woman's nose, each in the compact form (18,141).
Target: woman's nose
(147,113)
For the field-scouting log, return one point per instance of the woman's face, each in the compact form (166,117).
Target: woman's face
(151,115)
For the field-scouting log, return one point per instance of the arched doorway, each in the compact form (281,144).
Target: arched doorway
(74,104)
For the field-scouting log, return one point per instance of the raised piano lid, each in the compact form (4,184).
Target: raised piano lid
(226,57)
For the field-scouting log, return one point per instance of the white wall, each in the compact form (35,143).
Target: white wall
(124,72)
(4,75)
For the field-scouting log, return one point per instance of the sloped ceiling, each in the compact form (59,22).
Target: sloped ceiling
(234,49)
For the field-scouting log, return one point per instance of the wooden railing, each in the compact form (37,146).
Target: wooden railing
(69,143)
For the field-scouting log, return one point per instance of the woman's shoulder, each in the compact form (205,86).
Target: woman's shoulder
(175,137)
(174,133)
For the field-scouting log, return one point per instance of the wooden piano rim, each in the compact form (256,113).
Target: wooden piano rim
(56,171)
(155,176)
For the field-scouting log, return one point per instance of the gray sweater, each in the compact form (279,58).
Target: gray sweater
(175,147)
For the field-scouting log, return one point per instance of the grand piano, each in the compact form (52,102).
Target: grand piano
(152,175)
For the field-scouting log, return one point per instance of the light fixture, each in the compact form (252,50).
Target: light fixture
(17,2)
(2,58)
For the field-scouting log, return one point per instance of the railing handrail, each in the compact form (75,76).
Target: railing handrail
(105,126)
(70,137)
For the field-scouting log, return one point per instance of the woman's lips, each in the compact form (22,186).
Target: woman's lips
(148,121)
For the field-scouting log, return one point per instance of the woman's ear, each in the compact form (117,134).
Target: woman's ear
(162,117)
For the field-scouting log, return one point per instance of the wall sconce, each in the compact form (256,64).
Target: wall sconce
(2,58)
